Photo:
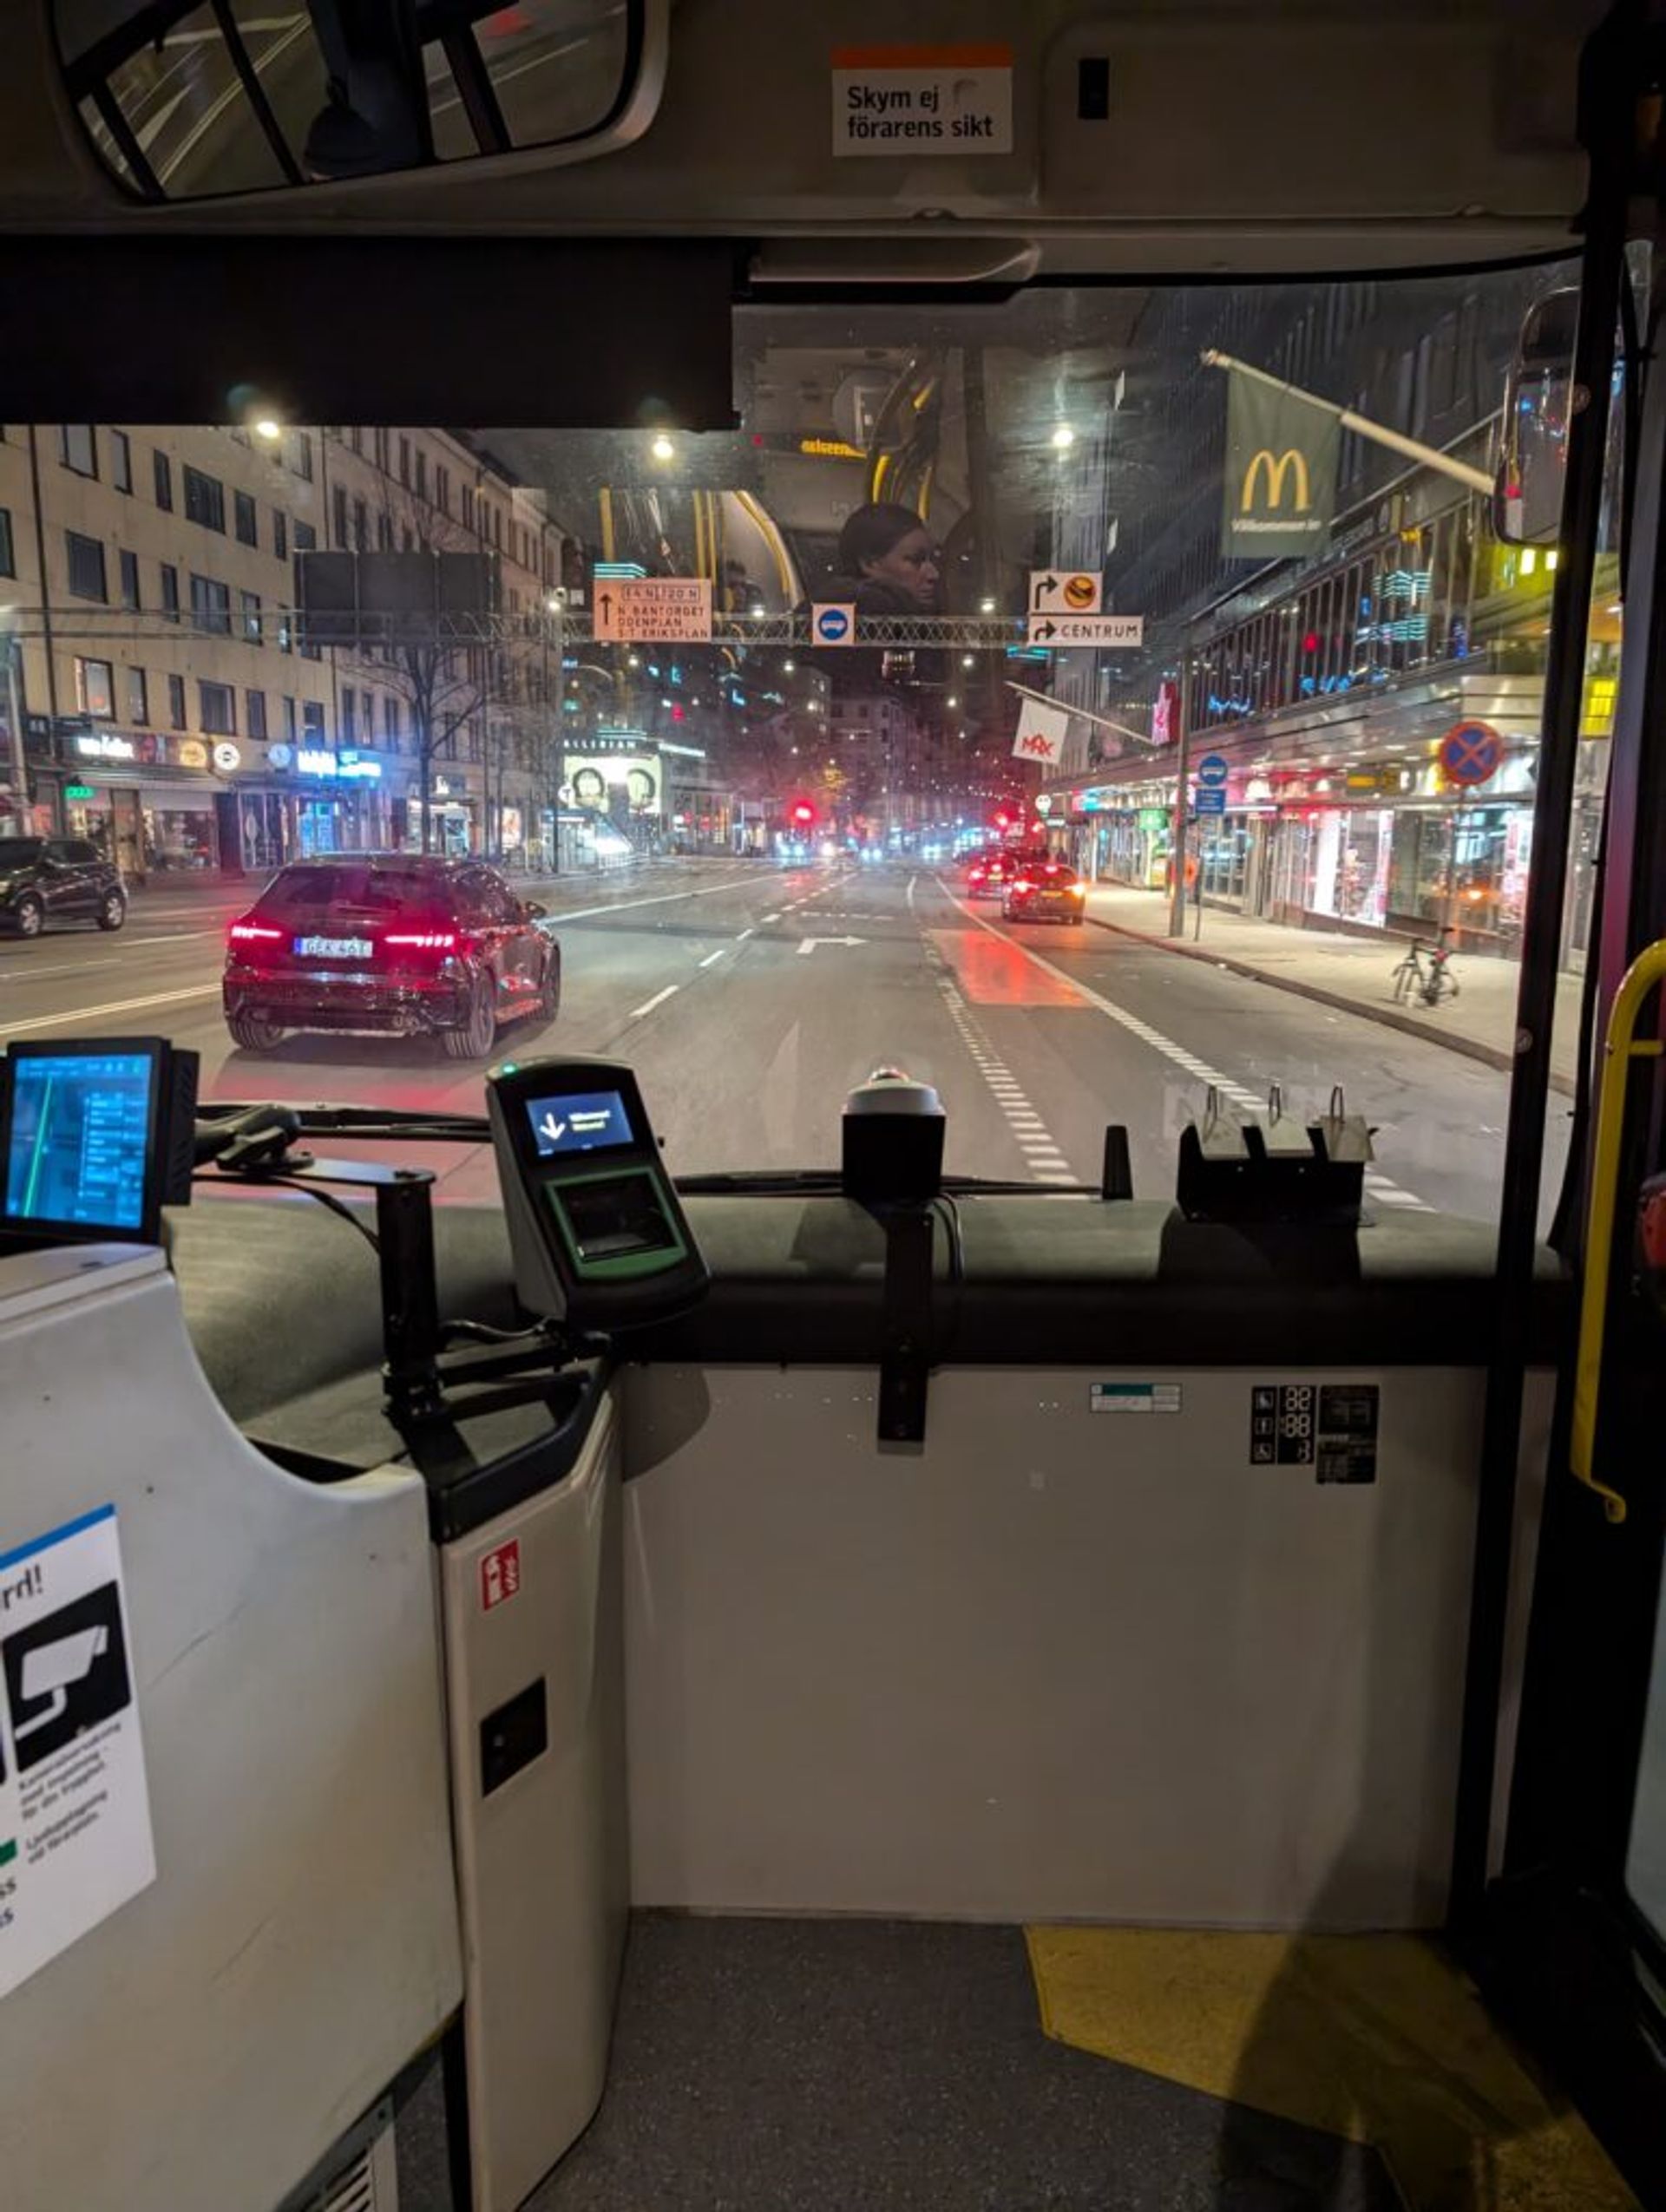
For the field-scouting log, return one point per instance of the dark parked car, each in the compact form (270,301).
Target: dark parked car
(45,879)
(1044,890)
(396,944)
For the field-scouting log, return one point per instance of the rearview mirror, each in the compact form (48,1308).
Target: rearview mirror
(532,910)
(1534,437)
(184,102)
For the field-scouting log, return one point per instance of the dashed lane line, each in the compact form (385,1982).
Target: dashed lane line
(1381,1187)
(658,999)
(1042,1156)
(711,957)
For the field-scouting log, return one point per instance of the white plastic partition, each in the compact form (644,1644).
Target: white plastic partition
(199,2047)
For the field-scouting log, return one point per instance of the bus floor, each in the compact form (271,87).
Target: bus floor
(824,2065)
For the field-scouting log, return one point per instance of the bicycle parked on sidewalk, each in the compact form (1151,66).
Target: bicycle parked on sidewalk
(1426,972)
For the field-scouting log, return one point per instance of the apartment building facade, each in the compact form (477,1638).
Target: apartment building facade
(157,690)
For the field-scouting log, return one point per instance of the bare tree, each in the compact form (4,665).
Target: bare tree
(444,684)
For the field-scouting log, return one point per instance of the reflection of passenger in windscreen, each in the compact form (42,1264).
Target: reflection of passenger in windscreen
(741,595)
(888,562)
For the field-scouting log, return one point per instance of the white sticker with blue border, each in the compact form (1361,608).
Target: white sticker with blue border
(76,1839)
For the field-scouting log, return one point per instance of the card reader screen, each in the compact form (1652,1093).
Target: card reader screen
(80,1138)
(580,1121)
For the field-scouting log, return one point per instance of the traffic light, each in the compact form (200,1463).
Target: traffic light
(802,813)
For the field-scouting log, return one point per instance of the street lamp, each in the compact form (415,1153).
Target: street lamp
(1063,438)
(662,448)
(267,428)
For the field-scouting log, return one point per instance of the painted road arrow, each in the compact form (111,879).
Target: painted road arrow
(809,944)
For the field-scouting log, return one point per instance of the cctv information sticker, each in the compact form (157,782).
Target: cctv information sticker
(74,1812)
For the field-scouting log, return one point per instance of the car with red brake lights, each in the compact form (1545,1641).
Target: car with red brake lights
(989,873)
(1044,890)
(390,944)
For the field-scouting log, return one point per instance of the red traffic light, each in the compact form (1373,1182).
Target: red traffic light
(803,812)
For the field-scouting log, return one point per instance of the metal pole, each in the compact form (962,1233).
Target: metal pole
(1609,88)
(1177,840)
(1361,425)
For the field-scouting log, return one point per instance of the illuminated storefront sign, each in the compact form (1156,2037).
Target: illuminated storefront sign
(227,756)
(103,745)
(193,753)
(318,760)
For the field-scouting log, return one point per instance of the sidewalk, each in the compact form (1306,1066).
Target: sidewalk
(1352,973)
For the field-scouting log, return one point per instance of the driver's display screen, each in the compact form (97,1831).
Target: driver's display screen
(80,1138)
(580,1121)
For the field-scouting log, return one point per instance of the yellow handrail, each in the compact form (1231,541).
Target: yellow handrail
(1620,1049)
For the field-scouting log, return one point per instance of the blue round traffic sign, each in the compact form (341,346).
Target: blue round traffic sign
(1471,752)
(1211,769)
(832,624)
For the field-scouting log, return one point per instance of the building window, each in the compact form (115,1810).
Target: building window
(361,525)
(170,579)
(280,534)
(243,517)
(298,454)
(410,539)
(422,473)
(8,562)
(78,447)
(249,607)
(349,715)
(443,488)
(292,721)
(306,538)
(404,460)
(95,688)
(338,508)
(390,718)
(121,460)
(286,634)
(86,566)
(356,438)
(380,436)
(468,506)
(176,702)
(255,702)
(204,500)
(210,606)
(162,475)
(312,721)
(384,533)
(138,702)
(217,709)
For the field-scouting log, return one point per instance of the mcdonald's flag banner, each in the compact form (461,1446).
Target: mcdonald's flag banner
(1280,492)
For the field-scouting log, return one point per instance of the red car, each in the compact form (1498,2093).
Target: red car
(990,872)
(389,943)
(1044,890)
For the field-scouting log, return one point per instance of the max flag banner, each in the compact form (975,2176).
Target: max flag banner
(1280,488)
(1041,733)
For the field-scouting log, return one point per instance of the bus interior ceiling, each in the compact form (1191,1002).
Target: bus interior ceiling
(729,1721)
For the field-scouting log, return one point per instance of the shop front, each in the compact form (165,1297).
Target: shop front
(150,802)
(453,823)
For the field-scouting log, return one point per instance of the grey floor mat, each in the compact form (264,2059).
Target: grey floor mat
(781,2066)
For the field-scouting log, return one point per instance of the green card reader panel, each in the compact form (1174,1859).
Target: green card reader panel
(599,1237)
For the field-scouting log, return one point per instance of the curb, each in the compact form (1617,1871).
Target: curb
(1490,1055)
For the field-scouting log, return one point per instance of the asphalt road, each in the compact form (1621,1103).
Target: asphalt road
(751,998)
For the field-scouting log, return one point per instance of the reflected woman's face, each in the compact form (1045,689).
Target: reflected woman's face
(910,566)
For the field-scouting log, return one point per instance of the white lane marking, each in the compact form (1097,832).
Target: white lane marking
(765,919)
(741,935)
(658,999)
(115,1006)
(1382,1188)
(913,879)
(711,957)
(660,898)
(1041,1156)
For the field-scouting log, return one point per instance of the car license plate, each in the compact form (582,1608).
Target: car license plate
(333,948)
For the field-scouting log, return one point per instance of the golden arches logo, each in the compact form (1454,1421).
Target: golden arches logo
(1290,460)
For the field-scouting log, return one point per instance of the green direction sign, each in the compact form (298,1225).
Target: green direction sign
(1153,818)
(78,791)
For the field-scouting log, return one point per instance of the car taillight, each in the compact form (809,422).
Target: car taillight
(253,932)
(424,940)
(1078,891)
(1023,884)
